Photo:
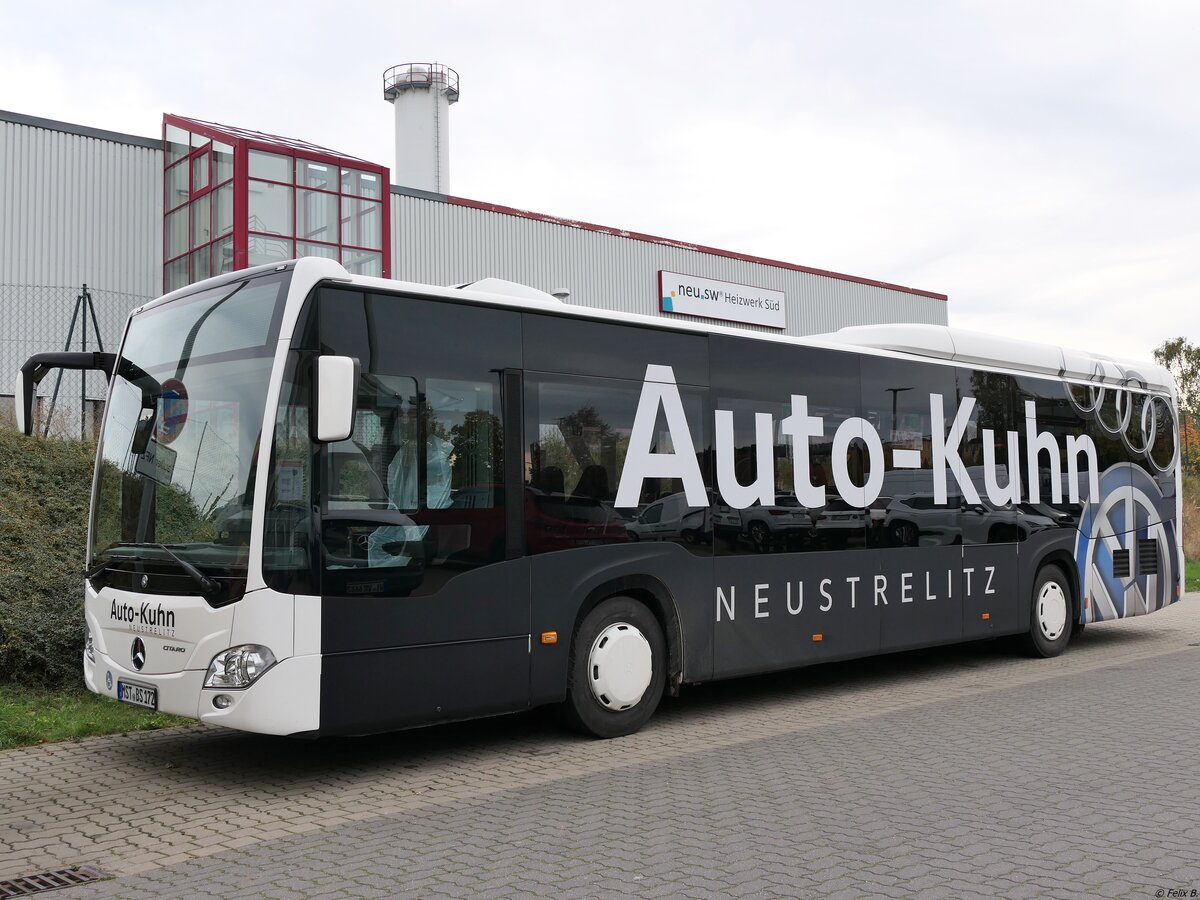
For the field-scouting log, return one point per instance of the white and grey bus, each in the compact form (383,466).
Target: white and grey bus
(327,504)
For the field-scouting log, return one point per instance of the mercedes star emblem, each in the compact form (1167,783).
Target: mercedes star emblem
(145,581)
(138,654)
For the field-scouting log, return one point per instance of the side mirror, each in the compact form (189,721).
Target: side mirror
(336,394)
(23,402)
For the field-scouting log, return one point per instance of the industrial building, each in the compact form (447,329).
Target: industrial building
(132,217)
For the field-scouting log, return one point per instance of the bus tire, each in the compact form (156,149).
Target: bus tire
(1050,614)
(616,671)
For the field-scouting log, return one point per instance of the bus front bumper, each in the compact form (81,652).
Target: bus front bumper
(284,700)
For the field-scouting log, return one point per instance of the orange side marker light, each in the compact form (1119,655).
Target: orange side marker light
(986,616)
(818,637)
(549,637)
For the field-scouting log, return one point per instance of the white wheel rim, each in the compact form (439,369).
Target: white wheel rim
(620,666)
(1052,610)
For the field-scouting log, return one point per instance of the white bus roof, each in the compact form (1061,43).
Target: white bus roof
(977,348)
(935,342)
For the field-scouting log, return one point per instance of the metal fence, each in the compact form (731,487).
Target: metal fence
(40,318)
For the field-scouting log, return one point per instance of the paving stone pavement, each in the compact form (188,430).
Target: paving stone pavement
(953,772)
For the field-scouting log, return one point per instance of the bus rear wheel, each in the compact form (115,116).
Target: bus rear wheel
(1050,614)
(616,671)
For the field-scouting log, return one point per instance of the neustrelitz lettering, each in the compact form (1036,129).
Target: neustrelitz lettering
(843,592)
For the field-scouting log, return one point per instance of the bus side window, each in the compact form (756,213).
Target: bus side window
(579,429)
(989,522)
(750,377)
(464,496)
(429,431)
(897,397)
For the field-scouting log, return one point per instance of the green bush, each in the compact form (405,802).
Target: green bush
(44,486)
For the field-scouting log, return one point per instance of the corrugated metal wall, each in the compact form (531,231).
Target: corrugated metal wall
(437,242)
(76,206)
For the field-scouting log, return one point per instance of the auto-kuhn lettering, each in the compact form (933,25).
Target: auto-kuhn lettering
(659,391)
(145,614)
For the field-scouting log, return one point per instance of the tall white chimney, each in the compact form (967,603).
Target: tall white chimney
(421,94)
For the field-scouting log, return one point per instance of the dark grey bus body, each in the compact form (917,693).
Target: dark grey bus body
(473,511)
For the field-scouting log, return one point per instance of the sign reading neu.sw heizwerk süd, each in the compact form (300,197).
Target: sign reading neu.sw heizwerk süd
(725,300)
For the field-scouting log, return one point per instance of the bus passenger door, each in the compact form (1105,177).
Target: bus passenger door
(425,611)
(993,526)
(793,580)
(913,406)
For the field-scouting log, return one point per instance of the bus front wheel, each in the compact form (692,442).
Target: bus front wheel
(1050,614)
(616,670)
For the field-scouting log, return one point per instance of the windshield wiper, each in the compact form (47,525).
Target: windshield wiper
(208,585)
(99,567)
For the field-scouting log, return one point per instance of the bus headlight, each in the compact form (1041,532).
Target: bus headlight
(90,647)
(238,667)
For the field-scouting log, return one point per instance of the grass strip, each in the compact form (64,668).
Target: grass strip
(38,716)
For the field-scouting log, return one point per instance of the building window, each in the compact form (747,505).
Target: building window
(177,185)
(322,176)
(200,166)
(362,262)
(270,208)
(362,223)
(261,251)
(177,232)
(325,251)
(223,210)
(222,256)
(270,166)
(317,216)
(361,184)
(201,232)
(177,141)
(222,162)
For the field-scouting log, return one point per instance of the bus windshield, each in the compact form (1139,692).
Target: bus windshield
(179,445)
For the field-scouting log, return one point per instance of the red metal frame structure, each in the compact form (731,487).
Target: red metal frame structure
(234,198)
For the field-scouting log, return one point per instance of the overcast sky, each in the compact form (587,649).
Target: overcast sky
(1039,162)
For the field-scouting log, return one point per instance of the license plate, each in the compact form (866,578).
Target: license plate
(137,694)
